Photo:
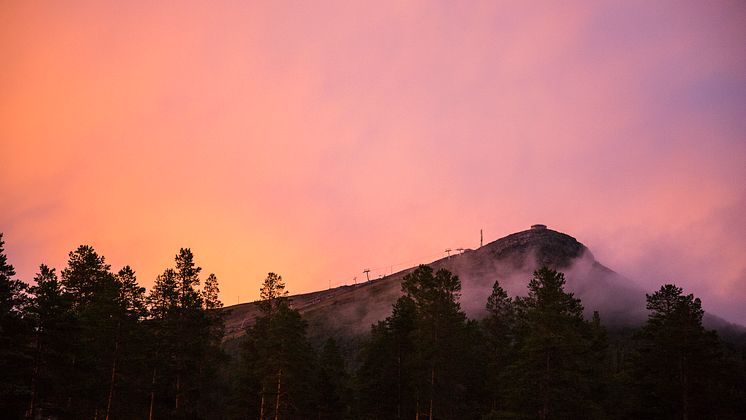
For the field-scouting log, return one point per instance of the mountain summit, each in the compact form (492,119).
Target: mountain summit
(350,310)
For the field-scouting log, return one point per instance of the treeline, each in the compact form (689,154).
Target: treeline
(93,344)
(90,343)
(536,357)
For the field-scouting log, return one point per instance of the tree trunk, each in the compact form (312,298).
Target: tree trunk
(35,378)
(398,383)
(113,370)
(279,389)
(545,391)
(684,393)
(432,391)
(261,406)
(178,389)
(152,393)
(69,395)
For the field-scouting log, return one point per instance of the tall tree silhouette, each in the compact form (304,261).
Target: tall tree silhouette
(387,375)
(126,363)
(421,361)
(93,292)
(440,334)
(679,365)
(50,313)
(499,327)
(14,334)
(332,383)
(186,339)
(551,375)
(279,356)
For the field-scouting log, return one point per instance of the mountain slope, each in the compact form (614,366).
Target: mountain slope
(350,310)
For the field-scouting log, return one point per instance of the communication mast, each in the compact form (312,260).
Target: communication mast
(481,238)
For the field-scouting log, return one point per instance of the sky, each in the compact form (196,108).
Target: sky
(318,139)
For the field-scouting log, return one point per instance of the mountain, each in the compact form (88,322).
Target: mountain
(350,310)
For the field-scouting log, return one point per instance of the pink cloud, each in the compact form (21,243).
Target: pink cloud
(316,140)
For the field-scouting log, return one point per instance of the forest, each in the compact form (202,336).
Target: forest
(88,342)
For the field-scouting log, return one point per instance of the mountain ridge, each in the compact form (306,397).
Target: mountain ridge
(351,309)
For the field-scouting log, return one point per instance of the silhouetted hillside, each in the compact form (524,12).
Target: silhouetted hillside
(350,310)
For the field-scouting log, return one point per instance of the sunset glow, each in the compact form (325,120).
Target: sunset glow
(318,139)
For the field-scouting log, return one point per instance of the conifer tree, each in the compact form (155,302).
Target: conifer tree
(186,339)
(162,308)
(439,335)
(14,335)
(210,294)
(93,292)
(387,375)
(272,293)
(423,360)
(679,365)
(50,313)
(279,356)
(550,376)
(125,361)
(331,385)
(499,327)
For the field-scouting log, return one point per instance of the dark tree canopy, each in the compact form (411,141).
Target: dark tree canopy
(679,366)
(93,343)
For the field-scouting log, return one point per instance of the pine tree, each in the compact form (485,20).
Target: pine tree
(279,357)
(499,327)
(210,294)
(162,308)
(332,381)
(387,375)
(126,363)
(679,365)
(211,384)
(440,334)
(187,280)
(187,330)
(50,313)
(550,376)
(272,293)
(86,273)
(93,292)
(14,335)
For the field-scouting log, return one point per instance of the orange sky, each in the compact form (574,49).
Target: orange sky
(316,139)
